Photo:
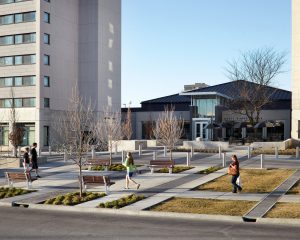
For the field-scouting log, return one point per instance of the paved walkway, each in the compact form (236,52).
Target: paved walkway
(59,177)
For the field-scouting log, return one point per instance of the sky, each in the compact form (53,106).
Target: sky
(167,44)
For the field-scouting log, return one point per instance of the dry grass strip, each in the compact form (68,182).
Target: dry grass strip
(253,181)
(205,206)
(284,210)
(295,189)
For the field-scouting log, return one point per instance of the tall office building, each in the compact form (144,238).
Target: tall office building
(295,69)
(48,46)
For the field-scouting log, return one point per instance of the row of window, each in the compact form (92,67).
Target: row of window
(18,39)
(22,102)
(17,60)
(11,1)
(17,81)
(17,102)
(22,81)
(17,18)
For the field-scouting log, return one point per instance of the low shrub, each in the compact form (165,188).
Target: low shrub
(176,169)
(206,150)
(122,202)
(118,167)
(71,199)
(11,192)
(209,170)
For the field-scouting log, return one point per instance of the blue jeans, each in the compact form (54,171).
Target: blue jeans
(233,182)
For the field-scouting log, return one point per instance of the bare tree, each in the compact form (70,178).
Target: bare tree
(109,129)
(16,133)
(253,74)
(168,129)
(74,128)
(127,125)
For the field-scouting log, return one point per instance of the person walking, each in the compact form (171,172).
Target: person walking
(33,154)
(26,160)
(234,170)
(129,164)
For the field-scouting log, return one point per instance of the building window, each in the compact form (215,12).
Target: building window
(46,135)
(46,17)
(29,132)
(6,82)
(46,81)
(47,1)
(7,19)
(5,103)
(46,59)
(18,102)
(17,60)
(46,102)
(6,40)
(4,132)
(46,38)
(28,102)
(6,1)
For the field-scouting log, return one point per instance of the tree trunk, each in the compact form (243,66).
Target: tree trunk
(80,178)
(15,151)
(171,156)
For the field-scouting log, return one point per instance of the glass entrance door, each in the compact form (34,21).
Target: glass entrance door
(201,131)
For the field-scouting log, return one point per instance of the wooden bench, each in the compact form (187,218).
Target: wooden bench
(12,177)
(98,181)
(161,164)
(94,162)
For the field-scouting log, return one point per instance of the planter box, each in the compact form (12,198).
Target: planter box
(206,144)
(129,145)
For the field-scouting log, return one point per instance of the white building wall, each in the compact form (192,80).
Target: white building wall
(79,53)
(295,69)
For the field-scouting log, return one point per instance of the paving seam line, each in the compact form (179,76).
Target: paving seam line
(245,216)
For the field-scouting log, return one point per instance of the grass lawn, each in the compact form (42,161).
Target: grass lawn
(253,181)
(205,206)
(114,167)
(272,151)
(176,169)
(284,210)
(11,192)
(295,189)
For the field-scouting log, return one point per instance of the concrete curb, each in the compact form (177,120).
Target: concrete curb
(5,204)
(279,221)
(138,213)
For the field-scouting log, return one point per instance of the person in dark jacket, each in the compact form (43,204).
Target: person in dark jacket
(34,159)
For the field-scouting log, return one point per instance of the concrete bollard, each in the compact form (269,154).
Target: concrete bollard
(188,159)
(262,158)
(49,150)
(123,156)
(165,151)
(276,152)
(192,151)
(65,156)
(224,159)
(19,151)
(220,152)
(154,155)
(297,152)
(116,149)
(249,152)
(93,152)
(140,149)
(40,152)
